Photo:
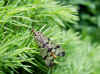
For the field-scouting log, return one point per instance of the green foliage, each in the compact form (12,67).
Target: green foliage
(82,57)
(89,24)
(89,18)
(19,51)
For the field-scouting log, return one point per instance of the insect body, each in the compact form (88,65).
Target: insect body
(48,50)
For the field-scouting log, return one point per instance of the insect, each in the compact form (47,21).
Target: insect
(49,51)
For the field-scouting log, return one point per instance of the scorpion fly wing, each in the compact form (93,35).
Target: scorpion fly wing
(47,57)
(48,50)
(43,53)
(49,61)
(59,51)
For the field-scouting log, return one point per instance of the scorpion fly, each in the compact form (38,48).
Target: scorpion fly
(49,51)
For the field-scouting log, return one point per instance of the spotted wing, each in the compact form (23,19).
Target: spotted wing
(49,61)
(48,51)
(58,51)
